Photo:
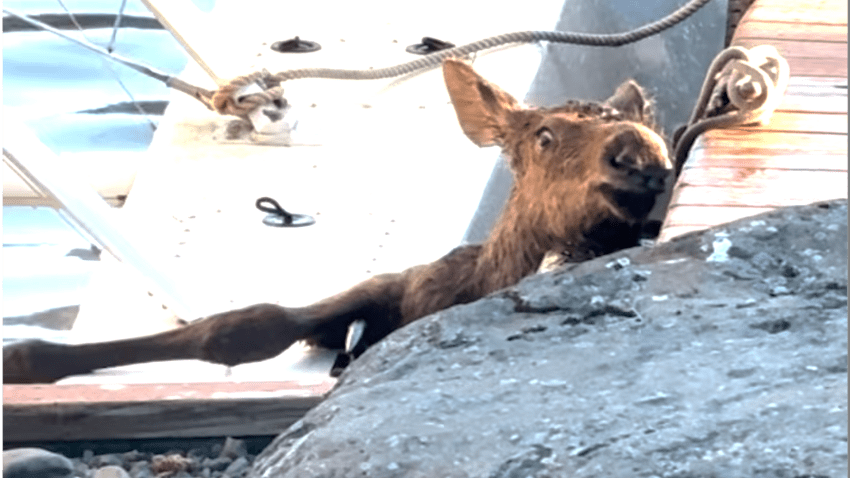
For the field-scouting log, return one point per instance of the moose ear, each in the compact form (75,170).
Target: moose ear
(631,100)
(482,108)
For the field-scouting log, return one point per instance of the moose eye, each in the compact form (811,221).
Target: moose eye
(622,160)
(545,137)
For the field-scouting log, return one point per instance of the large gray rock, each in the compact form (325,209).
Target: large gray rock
(35,463)
(719,354)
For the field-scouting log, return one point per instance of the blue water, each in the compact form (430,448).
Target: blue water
(47,81)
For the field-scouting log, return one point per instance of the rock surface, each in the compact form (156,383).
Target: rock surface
(35,463)
(719,354)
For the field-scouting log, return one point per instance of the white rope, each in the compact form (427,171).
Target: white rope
(741,87)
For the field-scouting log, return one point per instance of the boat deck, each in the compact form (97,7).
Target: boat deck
(800,157)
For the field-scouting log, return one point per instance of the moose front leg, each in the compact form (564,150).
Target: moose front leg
(251,334)
(255,333)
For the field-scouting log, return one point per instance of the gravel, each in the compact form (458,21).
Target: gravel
(227,458)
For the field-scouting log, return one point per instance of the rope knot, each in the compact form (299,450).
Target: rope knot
(748,83)
(742,87)
(225,102)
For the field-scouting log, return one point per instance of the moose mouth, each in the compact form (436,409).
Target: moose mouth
(629,205)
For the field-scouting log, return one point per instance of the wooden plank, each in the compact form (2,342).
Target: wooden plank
(749,141)
(707,216)
(793,122)
(731,158)
(799,48)
(830,12)
(802,103)
(675,231)
(752,29)
(757,187)
(818,86)
(766,178)
(818,67)
(758,196)
(97,412)
(807,123)
(735,12)
(815,95)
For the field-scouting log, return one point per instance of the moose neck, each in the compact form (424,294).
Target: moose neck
(522,236)
(513,250)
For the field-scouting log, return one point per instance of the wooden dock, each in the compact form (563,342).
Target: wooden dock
(35,413)
(800,157)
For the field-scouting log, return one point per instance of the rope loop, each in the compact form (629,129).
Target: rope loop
(279,217)
(742,87)
(273,208)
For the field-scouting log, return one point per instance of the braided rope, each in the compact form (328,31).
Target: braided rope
(744,87)
(222,101)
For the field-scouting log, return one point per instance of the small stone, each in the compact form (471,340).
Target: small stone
(216,449)
(169,463)
(233,448)
(763,260)
(141,469)
(35,463)
(739,252)
(217,464)
(101,461)
(80,468)
(789,271)
(198,454)
(132,456)
(764,234)
(236,468)
(111,471)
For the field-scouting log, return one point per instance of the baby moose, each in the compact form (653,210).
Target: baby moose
(586,177)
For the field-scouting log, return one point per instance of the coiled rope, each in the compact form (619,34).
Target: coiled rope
(223,101)
(741,87)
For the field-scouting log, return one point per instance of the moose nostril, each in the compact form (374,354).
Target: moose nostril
(654,183)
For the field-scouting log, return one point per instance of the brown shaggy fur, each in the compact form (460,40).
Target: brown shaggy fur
(586,177)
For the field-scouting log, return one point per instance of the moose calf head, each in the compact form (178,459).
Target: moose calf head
(576,164)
